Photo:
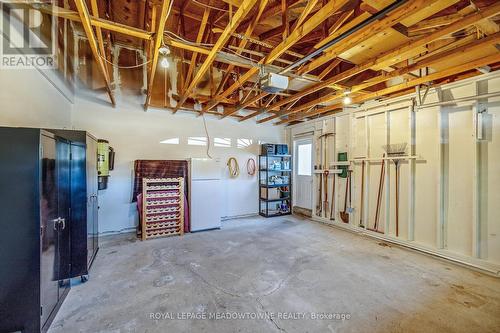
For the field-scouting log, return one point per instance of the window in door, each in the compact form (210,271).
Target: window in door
(304,157)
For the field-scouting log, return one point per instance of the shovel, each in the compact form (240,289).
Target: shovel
(344,216)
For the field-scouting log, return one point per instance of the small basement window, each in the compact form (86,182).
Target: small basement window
(197,141)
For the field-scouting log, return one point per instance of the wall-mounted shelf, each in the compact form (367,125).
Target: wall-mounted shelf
(330,171)
(385,158)
(274,185)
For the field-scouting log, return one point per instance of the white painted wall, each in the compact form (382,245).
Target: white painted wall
(29,99)
(135,134)
(464,224)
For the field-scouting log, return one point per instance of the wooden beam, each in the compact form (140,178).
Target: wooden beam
(307,27)
(87,26)
(460,51)
(243,42)
(304,14)
(199,39)
(262,110)
(285,23)
(242,11)
(403,86)
(255,40)
(157,44)
(366,32)
(339,28)
(96,22)
(246,104)
(395,55)
(335,62)
(436,22)
(100,41)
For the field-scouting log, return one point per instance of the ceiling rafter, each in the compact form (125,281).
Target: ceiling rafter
(242,11)
(427,62)
(87,26)
(304,14)
(158,40)
(100,40)
(297,34)
(199,39)
(262,110)
(94,21)
(395,55)
(243,42)
(368,31)
(403,86)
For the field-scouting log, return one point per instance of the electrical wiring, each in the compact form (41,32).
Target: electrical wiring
(234,168)
(251,167)
(125,67)
(173,35)
(208,136)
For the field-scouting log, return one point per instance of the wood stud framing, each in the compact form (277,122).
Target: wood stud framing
(155,52)
(279,33)
(87,26)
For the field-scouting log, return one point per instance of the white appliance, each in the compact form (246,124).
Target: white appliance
(205,194)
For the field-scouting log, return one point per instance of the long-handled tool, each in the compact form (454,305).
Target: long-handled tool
(362,201)
(318,167)
(332,206)
(319,205)
(344,216)
(350,209)
(322,206)
(325,180)
(379,196)
(395,150)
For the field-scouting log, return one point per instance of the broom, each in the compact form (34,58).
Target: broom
(394,150)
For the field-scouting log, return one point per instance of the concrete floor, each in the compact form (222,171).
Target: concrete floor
(282,266)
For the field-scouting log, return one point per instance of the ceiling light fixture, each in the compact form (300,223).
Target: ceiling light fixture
(164,62)
(164,50)
(347,100)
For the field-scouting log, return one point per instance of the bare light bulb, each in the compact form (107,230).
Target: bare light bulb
(164,50)
(347,100)
(164,63)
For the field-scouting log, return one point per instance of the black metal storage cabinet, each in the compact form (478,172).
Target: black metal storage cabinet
(275,184)
(43,204)
(84,201)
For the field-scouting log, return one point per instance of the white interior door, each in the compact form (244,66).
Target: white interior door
(302,191)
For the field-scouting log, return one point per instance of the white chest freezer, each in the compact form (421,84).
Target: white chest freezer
(205,194)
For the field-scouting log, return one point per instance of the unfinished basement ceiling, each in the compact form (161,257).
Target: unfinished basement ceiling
(219,49)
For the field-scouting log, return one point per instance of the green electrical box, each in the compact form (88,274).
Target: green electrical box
(342,157)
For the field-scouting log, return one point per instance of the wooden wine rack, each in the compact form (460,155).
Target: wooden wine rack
(162,207)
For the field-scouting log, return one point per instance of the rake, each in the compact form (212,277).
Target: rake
(396,150)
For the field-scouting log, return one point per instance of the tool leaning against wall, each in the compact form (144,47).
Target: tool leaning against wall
(323,171)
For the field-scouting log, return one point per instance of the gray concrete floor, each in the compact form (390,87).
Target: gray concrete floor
(282,266)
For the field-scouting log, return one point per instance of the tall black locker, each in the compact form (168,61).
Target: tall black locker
(84,201)
(44,203)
